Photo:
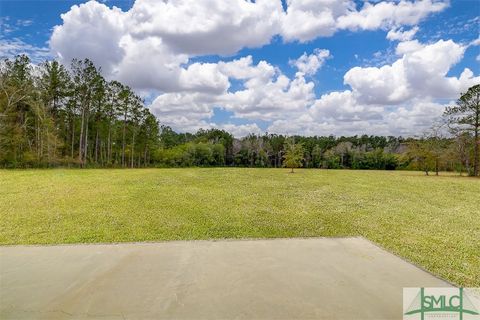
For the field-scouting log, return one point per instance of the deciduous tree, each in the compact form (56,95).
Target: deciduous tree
(293,156)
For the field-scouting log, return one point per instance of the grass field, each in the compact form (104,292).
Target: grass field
(431,221)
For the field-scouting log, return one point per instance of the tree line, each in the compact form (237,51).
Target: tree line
(218,148)
(51,115)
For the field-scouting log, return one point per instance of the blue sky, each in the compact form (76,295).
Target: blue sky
(27,26)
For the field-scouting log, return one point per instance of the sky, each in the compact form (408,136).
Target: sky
(309,67)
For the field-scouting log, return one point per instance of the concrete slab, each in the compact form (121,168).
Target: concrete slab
(322,278)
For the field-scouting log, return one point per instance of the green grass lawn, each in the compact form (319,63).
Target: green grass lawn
(431,221)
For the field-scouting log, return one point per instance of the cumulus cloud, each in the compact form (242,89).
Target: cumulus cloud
(189,112)
(342,114)
(420,72)
(402,35)
(398,98)
(185,27)
(213,27)
(165,28)
(308,19)
(147,64)
(240,130)
(90,30)
(243,69)
(408,46)
(266,100)
(310,64)
(401,98)
(151,47)
(384,85)
(266,94)
(388,14)
(343,106)
(184,111)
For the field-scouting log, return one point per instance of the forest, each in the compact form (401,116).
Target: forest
(53,115)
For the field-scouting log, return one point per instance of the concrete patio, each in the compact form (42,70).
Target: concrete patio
(321,278)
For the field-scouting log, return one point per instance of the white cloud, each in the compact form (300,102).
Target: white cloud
(426,71)
(384,85)
(269,99)
(341,114)
(310,64)
(475,42)
(24,22)
(393,99)
(12,47)
(266,93)
(243,69)
(213,27)
(189,112)
(147,64)
(91,30)
(183,111)
(414,117)
(400,98)
(401,35)
(204,77)
(151,47)
(408,46)
(308,19)
(239,131)
(389,14)
(420,72)
(342,106)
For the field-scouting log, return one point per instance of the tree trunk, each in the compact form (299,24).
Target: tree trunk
(80,145)
(48,149)
(86,141)
(73,135)
(123,139)
(133,148)
(100,146)
(109,144)
(96,147)
(476,137)
(476,146)
(37,140)
(145,157)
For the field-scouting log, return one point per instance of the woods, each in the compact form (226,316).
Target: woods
(52,115)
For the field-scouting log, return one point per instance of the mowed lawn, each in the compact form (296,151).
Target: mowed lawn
(431,221)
